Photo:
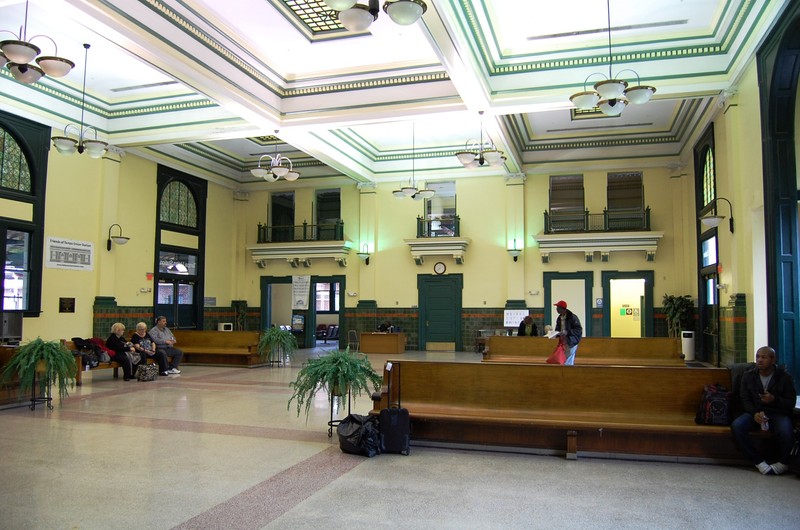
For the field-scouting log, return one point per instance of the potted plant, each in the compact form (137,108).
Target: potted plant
(678,311)
(50,359)
(337,372)
(275,344)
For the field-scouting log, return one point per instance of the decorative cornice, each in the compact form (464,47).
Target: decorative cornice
(603,242)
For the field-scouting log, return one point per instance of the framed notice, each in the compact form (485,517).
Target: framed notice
(301,290)
(69,254)
(512,317)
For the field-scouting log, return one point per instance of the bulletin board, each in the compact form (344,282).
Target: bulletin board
(512,317)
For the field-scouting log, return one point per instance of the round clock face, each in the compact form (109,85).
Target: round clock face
(439,268)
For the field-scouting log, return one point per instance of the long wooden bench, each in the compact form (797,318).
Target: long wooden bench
(645,351)
(605,410)
(230,348)
(82,368)
(113,365)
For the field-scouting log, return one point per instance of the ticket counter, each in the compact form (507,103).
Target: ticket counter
(383,342)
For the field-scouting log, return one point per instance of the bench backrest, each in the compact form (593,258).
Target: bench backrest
(671,391)
(216,339)
(591,347)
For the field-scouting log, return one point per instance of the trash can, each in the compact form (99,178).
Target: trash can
(687,345)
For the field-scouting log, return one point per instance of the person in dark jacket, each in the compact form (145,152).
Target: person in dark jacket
(527,328)
(117,343)
(768,398)
(569,329)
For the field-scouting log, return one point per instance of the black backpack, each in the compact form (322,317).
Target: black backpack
(87,351)
(714,406)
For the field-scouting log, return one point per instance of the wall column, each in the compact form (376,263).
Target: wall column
(368,220)
(515,240)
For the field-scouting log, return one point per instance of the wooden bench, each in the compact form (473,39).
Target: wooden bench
(101,366)
(229,348)
(604,410)
(645,351)
(81,367)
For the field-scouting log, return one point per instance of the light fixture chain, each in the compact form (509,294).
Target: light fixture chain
(83,95)
(24,29)
(610,56)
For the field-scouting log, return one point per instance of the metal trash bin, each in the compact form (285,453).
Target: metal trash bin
(687,345)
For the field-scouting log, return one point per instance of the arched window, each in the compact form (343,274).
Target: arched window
(709,176)
(14,171)
(23,165)
(178,205)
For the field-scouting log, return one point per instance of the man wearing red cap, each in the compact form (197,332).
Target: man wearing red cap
(569,329)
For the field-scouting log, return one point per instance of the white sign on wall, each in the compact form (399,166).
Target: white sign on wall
(301,289)
(512,317)
(69,254)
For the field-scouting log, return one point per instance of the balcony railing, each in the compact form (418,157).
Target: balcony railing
(303,232)
(635,220)
(439,227)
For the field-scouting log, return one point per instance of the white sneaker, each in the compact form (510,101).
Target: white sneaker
(765,468)
(174,371)
(779,468)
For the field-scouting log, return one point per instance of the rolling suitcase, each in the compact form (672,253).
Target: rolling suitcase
(394,422)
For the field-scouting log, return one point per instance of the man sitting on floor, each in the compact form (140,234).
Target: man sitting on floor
(768,398)
(165,341)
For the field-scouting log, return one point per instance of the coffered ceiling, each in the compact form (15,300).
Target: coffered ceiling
(204,85)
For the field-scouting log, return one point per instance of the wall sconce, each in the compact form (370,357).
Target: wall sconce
(364,254)
(713,221)
(514,252)
(119,240)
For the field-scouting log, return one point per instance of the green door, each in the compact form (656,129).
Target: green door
(440,310)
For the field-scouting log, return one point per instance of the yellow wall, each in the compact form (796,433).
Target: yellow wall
(86,196)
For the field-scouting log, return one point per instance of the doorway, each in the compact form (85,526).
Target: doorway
(175,299)
(575,288)
(440,312)
(628,303)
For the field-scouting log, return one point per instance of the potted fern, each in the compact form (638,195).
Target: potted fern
(336,373)
(51,360)
(276,344)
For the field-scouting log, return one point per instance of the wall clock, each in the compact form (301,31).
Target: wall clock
(439,267)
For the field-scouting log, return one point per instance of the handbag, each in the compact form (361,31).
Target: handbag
(558,356)
(146,372)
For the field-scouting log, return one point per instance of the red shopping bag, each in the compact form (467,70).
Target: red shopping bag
(558,356)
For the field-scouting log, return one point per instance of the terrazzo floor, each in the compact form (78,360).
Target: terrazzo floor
(217,448)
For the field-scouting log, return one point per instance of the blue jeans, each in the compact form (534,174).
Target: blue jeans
(570,352)
(779,424)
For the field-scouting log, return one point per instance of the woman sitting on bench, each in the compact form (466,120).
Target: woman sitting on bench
(116,343)
(147,348)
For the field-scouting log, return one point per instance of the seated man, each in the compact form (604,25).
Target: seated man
(527,328)
(165,342)
(768,399)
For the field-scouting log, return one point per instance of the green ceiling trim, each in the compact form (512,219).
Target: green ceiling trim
(472,29)
(181,162)
(282,89)
(181,125)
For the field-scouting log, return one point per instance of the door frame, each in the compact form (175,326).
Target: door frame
(423,282)
(309,333)
(649,279)
(588,278)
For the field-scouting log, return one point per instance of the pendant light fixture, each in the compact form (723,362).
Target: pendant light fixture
(279,166)
(359,17)
(67,145)
(21,51)
(478,153)
(612,95)
(411,189)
